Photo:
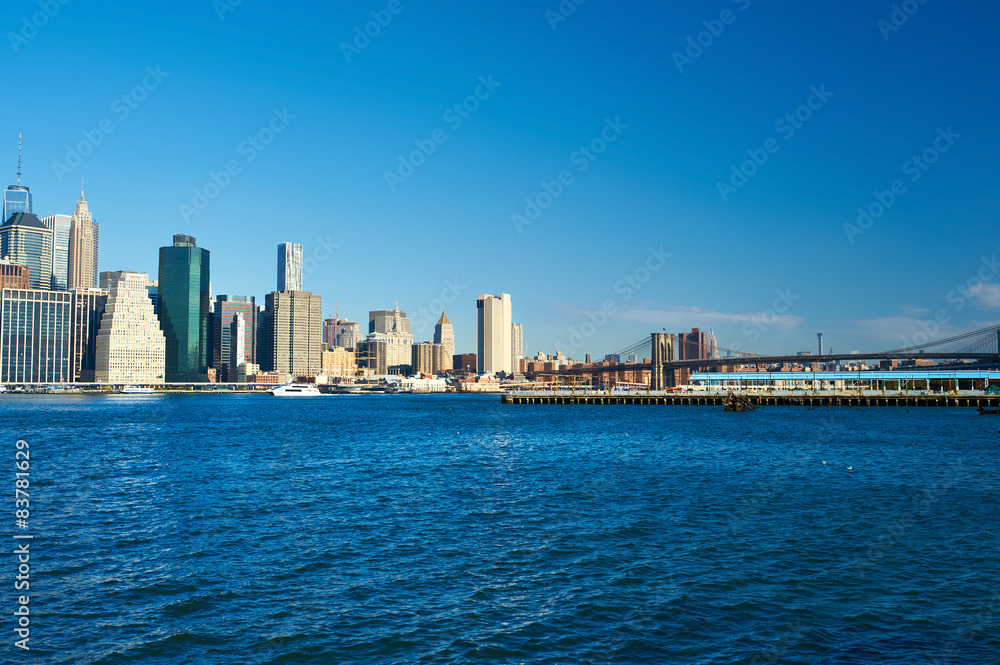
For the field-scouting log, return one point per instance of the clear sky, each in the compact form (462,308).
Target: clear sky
(148,100)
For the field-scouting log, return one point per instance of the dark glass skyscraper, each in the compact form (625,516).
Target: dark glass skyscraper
(184,301)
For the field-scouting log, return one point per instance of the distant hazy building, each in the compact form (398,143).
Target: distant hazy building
(444,334)
(25,240)
(712,344)
(88,310)
(289,267)
(690,346)
(392,327)
(330,333)
(516,345)
(348,334)
(13,275)
(83,247)
(428,358)
(388,321)
(493,334)
(35,336)
(60,227)
(292,333)
(184,296)
(130,346)
(226,310)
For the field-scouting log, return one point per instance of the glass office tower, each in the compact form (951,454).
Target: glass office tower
(16,199)
(184,303)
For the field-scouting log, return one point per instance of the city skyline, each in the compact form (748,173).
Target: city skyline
(794,236)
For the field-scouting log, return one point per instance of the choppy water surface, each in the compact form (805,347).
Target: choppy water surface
(450,529)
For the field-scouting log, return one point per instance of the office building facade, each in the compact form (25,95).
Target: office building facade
(13,275)
(25,240)
(16,199)
(59,225)
(429,358)
(226,310)
(87,313)
(289,267)
(130,346)
(493,334)
(292,333)
(35,336)
(348,334)
(184,302)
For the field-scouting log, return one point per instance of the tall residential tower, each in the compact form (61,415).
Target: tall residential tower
(289,267)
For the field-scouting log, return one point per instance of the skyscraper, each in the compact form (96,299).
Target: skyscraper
(130,346)
(183,309)
(227,309)
(60,227)
(388,321)
(35,336)
(712,343)
(517,345)
(348,334)
(289,267)
(83,247)
(292,333)
(429,358)
(444,335)
(16,198)
(392,327)
(25,240)
(493,334)
(88,310)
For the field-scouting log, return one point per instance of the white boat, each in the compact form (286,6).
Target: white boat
(295,390)
(136,390)
(3,388)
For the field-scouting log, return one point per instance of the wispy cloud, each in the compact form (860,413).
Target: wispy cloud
(897,329)
(913,310)
(680,317)
(984,295)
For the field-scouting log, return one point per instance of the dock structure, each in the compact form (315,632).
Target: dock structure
(757,400)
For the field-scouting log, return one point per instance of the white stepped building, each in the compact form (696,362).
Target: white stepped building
(130,344)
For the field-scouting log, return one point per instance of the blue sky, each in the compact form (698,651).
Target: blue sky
(767,260)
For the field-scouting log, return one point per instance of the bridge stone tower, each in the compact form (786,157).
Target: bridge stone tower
(663,351)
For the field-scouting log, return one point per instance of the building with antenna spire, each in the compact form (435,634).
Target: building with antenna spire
(84,238)
(16,198)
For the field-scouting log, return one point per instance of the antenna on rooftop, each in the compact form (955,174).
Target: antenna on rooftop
(19,161)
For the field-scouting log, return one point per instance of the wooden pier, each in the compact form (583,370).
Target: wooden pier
(715,399)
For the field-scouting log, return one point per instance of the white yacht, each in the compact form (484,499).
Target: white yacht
(136,390)
(3,388)
(295,390)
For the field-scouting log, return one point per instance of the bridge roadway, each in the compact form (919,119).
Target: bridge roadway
(775,360)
